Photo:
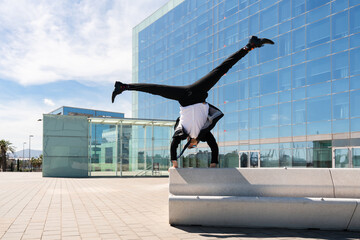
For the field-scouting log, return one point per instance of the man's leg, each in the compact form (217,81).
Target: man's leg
(169,92)
(208,81)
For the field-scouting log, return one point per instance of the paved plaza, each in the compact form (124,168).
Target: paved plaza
(33,207)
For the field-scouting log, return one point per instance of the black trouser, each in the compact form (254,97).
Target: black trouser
(192,94)
(196,92)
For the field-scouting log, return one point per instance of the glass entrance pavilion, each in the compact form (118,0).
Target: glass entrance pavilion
(80,146)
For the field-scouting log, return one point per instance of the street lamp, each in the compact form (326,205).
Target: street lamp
(23,159)
(30,136)
(24,150)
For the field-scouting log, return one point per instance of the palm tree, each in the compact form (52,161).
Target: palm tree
(5,146)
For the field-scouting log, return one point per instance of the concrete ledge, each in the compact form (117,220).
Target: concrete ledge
(346,182)
(278,212)
(262,182)
(266,197)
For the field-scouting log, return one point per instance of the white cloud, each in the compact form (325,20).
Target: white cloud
(19,120)
(49,102)
(47,41)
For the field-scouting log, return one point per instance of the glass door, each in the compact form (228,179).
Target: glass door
(249,159)
(341,157)
(355,157)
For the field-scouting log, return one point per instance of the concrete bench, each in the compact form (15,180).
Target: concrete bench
(266,197)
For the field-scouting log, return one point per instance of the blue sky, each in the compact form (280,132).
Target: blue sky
(63,53)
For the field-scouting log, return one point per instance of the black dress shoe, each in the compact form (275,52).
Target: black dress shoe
(256,42)
(119,88)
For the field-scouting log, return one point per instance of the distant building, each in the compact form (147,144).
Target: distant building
(83,142)
(73,111)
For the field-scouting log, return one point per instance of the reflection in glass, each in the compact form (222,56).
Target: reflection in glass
(298,21)
(299,130)
(338,22)
(268,83)
(285,158)
(298,57)
(284,10)
(319,90)
(299,157)
(254,159)
(268,116)
(285,131)
(318,70)
(243,120)
(318,32)
(284,45)
(338,5)
(340,85)
(341,126)
(231,158)
(298,76)
(285,96)
(355,61)
(254,118)
(285,79)
(354,101)
(298,7)
(298,112)
(319,13)
(321,154)
(355,19)
(318,51)
(315,128)
(268,17)
(319,109)
(269,158)
(355,82)
(298,39)
(355,157)
(244,157)
(299,93)
(339,45)
(340,65)
(341,158)
(340,105)
(269,99)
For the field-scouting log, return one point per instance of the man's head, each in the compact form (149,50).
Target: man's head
(193,143)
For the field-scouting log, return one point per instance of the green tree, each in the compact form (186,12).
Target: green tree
(5,147)
(37,162)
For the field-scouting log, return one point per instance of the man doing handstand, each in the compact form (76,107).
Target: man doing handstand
(197,117)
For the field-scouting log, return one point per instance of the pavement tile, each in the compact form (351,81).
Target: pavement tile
(111,208)
(71,238)
(51,237)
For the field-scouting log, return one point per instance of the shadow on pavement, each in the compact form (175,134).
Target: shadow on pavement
(228,232)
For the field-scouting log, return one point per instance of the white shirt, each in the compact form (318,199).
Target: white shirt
(193,118)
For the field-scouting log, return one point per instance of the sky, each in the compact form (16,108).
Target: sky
(63,53)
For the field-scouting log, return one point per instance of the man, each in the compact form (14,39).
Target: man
(197,117)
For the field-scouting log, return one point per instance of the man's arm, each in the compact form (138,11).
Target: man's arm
(209,138)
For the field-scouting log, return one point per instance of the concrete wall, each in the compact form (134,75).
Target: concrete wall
(286,198)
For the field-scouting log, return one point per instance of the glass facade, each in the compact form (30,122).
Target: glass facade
(78,146)
(72,111)
(293,104)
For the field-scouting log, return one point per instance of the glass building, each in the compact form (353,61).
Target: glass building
(80,146)
(294,104)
